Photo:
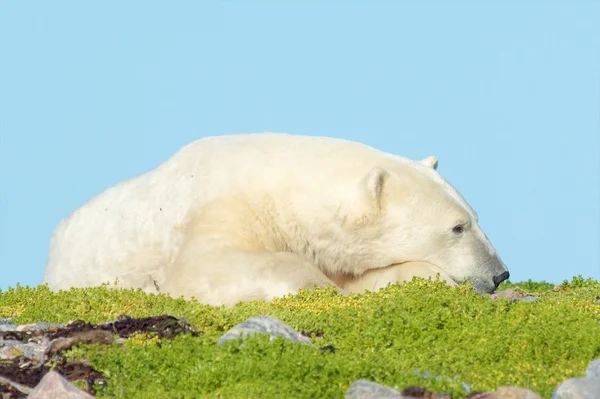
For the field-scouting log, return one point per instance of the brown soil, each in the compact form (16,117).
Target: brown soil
(28,373)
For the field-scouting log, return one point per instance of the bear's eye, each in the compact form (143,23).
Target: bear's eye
(458,229)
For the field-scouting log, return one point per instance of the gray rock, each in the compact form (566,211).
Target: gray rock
(364,389)
(578,388)
(54,385)
(41,326)
(264,325)
(7,326)
(593,369)
(11,348)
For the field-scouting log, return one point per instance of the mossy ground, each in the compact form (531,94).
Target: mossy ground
(382,336)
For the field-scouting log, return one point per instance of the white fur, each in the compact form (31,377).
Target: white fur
(254,216)
(376,279)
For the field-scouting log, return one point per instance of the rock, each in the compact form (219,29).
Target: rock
(54,385)
(593,369)
(8,352)
(578,388)
(364,389)
(10,349)
(27,350)
(507,393)
(514,393)
(6,325)
(41,326)
(264,325)
(581,388)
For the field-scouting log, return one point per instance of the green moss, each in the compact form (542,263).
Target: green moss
(382,336)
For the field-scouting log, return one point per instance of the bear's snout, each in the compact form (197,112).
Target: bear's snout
(501,277)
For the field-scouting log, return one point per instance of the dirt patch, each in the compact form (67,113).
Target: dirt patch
(24,372)
(163,326)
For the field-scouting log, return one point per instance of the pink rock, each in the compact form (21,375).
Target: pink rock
(9,352)
(54,385)
(507,393)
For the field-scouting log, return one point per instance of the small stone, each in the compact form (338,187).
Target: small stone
(54,385)
(578,388)
(10,352)
(364,389)
(41,326)
(513,393)
(593,369)
(13,348)
(8,327)
(264,325)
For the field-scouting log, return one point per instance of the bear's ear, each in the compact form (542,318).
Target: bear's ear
(373,183)
(430,161)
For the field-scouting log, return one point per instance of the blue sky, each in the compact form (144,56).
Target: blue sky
(506,94)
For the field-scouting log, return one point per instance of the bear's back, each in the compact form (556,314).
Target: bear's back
(143,213)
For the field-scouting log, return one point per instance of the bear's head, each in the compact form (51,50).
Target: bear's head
(409,213)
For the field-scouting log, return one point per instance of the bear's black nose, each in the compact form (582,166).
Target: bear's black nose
(501,277)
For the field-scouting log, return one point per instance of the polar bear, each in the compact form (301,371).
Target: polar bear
(375,279)
(256,216)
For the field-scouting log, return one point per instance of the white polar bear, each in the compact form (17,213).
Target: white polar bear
(378,278)
(255,216)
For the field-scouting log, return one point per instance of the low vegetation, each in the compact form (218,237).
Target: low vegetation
(421,333)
